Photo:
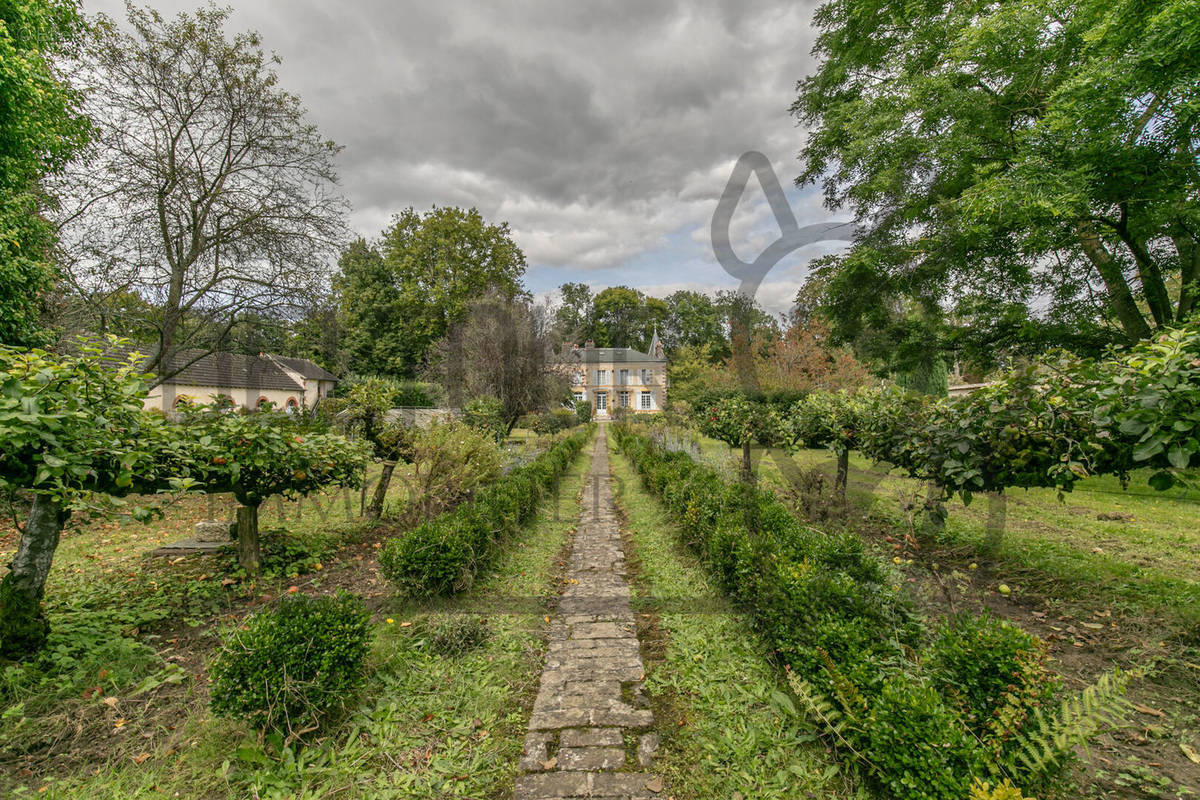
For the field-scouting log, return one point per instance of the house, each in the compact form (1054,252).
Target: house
(617,377)
(247,381)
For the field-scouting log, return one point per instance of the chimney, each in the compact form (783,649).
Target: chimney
(590,345)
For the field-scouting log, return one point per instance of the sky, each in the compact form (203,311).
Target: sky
(602,133)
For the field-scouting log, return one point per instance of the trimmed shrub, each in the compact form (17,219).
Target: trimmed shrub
(486,415)
(442,555)
(289,667)
(833,615)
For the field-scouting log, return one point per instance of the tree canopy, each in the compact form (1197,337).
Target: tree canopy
(207,192)
(41,128)
(1027,171)
(403,292)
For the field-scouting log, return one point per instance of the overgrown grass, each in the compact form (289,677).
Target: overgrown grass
(443,713)
(723,711)
(1147,560)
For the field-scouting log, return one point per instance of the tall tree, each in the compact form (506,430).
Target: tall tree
(1021,161)
(693,320)
(502,349)
(575,318)
(625,317)
(402,293)
(41,128)
(207,191)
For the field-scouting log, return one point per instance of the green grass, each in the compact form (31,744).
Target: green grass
(721,707)
(1148,562)
(426,725)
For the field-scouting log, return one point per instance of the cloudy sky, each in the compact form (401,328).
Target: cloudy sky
(603,133)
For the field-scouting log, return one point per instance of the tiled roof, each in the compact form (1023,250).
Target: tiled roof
(305,367)
(233,371)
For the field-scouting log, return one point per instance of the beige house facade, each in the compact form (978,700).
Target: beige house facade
(247,381)
(611,378)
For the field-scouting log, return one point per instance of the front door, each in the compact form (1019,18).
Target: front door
(601,403)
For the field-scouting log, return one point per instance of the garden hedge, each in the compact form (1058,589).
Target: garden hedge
(833,614)
(442,556)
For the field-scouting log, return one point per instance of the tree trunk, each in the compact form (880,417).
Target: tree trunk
(994,532)
(843,473)
(747,464)
(247,539)
(23,626)
(935,509)
(381,489)
(1119,296)
(1189,275)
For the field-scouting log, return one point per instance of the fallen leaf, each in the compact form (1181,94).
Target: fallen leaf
(1148,710)
(110,701)
(655,784)
(1190,752)
(140,757)
(405,624)
(551,763)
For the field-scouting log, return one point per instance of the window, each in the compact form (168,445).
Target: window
(579,397)
(262,401)
(601,377)
(645,401)
(646,377)
(624,378)
(577,379)
(601,401)
(623,399)
(292,405)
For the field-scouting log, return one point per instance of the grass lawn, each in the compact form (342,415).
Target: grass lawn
(720,706)
(1137,549)
(443,712)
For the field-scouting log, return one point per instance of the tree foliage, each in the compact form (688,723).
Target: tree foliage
(41,128)
(403,292)
(206,191)
(1027,171)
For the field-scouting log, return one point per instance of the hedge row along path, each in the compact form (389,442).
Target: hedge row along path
(589,731)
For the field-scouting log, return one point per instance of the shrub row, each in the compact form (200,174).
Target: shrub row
(921,728)
(443,555)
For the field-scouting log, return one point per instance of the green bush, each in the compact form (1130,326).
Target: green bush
(289,667)
(833,615)
(583,411)
(914,744)
(442,555)
(486,415)
(995,675)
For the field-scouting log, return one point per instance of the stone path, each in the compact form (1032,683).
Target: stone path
(589,731)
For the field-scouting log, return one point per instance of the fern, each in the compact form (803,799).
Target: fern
(1051,737)
(819,710)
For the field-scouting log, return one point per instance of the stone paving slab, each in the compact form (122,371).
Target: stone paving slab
(590,705)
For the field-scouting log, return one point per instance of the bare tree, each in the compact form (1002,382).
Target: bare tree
(502,350)
(206,193)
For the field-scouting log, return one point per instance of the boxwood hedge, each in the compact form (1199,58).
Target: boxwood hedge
(443,555)
(835,618)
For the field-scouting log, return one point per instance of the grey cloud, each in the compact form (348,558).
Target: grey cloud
(596,130)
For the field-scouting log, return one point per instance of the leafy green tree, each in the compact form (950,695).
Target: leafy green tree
(1023,168)
(364,413)
(403,292)
(626,317)
(258,455)
(71,426)
(694,320)
(575,318)
(41,128)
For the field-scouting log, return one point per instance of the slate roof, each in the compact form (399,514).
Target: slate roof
(598,355)
(306,368)
(233,371)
